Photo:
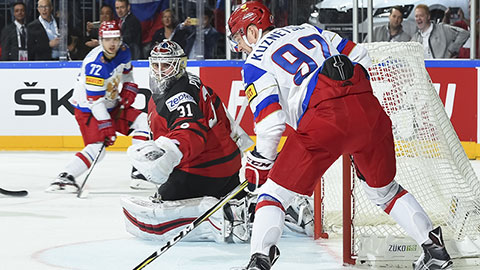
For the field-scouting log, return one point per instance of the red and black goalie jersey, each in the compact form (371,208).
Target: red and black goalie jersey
(193,114)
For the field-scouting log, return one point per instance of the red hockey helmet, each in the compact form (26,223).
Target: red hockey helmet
(109,29)
(252,12)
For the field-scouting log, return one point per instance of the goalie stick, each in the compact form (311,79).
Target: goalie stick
(14,193)
(80,190)
(192,226)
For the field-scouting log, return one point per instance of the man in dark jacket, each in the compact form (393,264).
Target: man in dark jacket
(131,28)
(42,34)
(14,36)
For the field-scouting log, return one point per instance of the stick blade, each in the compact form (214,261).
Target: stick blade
(16,193)
(83,194)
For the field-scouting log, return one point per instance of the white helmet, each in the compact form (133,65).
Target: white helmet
(168,62)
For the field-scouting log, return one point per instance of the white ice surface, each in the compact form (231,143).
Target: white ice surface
(52,231)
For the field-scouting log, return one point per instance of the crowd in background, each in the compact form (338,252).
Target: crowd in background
(32,38)
(448,38)
(32,33)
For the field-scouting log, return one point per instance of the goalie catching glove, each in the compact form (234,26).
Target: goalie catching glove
(155,159)
(128,94)
(256,170)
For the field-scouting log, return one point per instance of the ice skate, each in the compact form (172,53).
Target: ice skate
(64,183)
(434,255)
(260,261)
(140,182)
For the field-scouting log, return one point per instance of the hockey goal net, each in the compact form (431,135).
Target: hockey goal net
(431,165)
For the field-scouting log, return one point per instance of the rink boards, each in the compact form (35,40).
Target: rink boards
(36,113)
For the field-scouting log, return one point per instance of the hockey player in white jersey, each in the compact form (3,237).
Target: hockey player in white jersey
(101,109)
(316,82)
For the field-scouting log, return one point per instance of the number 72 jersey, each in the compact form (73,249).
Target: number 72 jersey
(101,78)
(281,72)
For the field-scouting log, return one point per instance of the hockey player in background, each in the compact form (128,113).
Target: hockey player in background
(301,76)
(194,156)
(101,109)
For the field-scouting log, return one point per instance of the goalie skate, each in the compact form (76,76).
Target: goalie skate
(64,183)
(140,182)
(434,255)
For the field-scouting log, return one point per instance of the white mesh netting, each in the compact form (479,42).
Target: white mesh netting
(431,163)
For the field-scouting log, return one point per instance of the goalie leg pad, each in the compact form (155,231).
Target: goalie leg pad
(162,221)
(237,220)
(299,216)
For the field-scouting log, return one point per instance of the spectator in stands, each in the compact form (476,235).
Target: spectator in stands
(219,16)
(91,37)
(14,36)
(43,36)
(170,31)
(131,28)
(439,40)
(211,37)
(392,31)
(75,46)
(455,17)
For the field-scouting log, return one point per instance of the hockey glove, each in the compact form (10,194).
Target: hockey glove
(256,170)
(106,128)
(155,159)
(128,94)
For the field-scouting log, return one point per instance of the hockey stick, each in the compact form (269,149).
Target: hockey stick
(243,108)
(14,193)
(97,157)
(192,226)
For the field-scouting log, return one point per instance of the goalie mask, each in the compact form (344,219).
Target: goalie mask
(110,38)
(168,63)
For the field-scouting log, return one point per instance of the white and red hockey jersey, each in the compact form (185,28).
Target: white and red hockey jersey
(100,77)
(281,72)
